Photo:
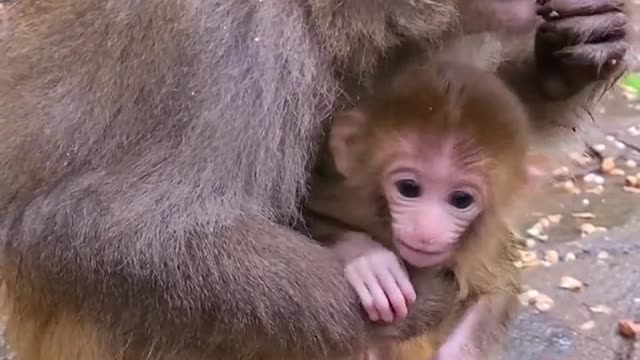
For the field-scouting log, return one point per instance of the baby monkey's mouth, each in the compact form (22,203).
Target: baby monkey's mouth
(422,251)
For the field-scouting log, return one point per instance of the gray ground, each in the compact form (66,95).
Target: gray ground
(569,330)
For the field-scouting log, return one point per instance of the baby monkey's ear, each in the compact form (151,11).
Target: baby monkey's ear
(347,141)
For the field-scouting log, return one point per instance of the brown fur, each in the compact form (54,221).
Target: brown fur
(153,158)
(438,98)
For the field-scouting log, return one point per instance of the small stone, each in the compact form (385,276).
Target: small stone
(585,202)
(569,257)
(608,164)
(570,283)
(620,145)
(603,255)
(551,256)
(630,163)
(618,172)
(588,325)
(584,215)
(600,309)
(610,138)
(599,147)
(629,328)
(543,303)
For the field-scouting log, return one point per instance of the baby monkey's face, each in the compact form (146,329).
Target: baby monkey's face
(432,198)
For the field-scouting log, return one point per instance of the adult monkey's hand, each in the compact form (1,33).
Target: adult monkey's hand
(580,42)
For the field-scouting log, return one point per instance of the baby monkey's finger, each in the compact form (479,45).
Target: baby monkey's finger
(403,281)
(380,300)
(361,289)
(392,290)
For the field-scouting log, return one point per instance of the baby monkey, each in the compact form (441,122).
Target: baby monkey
(428,170)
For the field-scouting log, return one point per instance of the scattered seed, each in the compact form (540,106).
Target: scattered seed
(551,256)
(587,228)
(584,215)
(608,164)
(528,296)
(599,147)
(569,257)
(610,138)
(556,218)
(617,172)
(602,255)
(600,309)
(588,325)
(630,163)
(570,283)
(570,187)
(562,171)
(543,303)
(531,243)
(585,202)
(599,189)
(620,145)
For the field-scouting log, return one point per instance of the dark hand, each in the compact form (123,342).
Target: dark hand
(580,42)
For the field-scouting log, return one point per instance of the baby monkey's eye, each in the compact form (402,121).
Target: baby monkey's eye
(461,199)
(408,188)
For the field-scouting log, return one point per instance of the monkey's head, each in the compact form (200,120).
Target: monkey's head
(445,147)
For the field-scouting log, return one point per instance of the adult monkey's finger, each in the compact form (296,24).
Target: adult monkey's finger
(555,9)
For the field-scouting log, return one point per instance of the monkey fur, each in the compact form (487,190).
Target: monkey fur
(154,157)
(451,93)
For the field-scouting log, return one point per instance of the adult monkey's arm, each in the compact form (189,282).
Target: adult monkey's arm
(150,154)
(579,52)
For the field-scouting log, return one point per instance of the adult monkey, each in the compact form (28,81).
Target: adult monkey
(153,153)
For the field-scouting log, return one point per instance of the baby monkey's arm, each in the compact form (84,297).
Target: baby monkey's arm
(377,275)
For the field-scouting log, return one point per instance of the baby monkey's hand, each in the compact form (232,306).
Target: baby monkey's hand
(378,277)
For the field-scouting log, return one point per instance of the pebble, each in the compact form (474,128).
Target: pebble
(631,181)
(569,257)
(585,202)
(620,145)
(610,138)
(630,163)
(602,255)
